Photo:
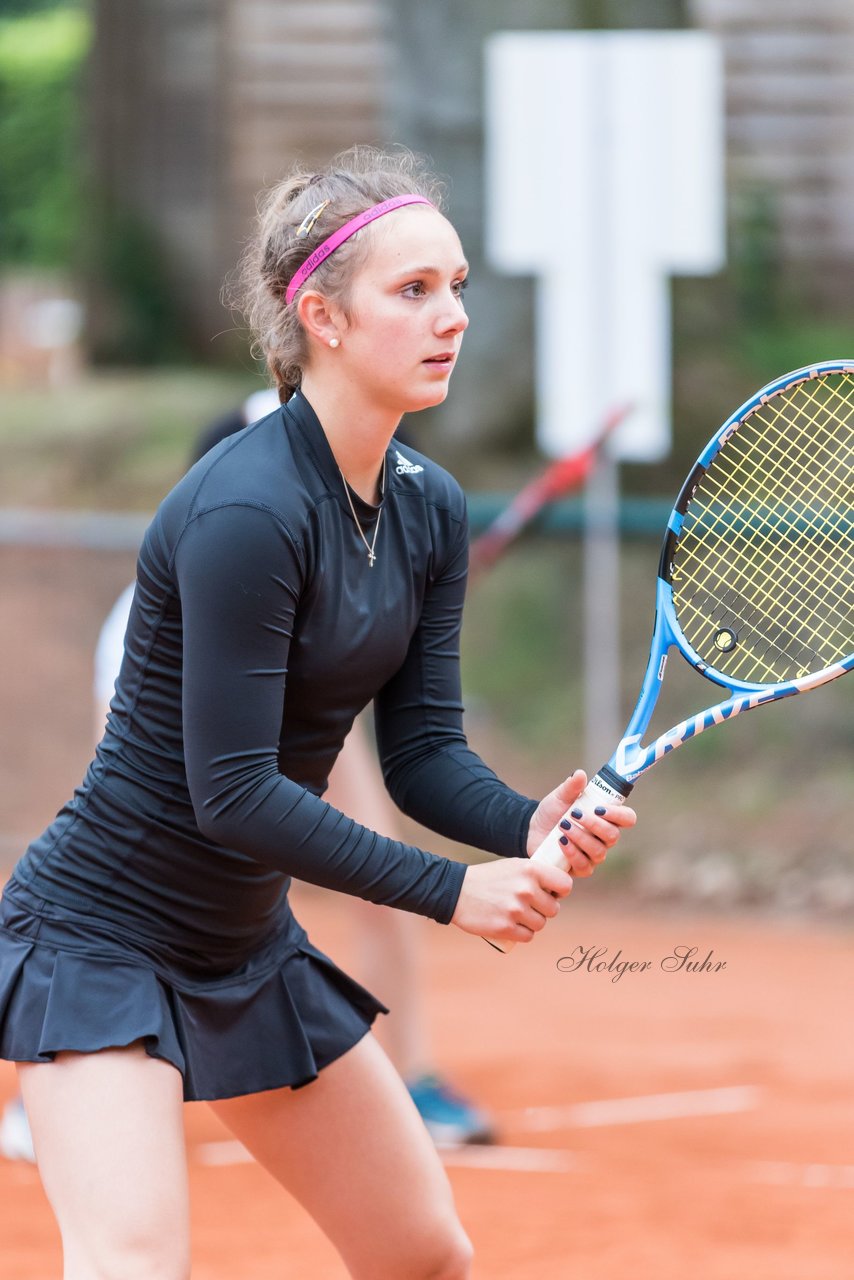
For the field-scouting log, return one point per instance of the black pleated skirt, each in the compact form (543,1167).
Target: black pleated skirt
(67,983)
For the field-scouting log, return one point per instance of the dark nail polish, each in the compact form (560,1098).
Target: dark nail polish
(577,813)
(566,824)
(600,810)
(564,840)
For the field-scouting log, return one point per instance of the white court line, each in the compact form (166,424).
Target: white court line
(780,1173)
(221,1153)
(508,1159)
(654,1106)
(612,1111)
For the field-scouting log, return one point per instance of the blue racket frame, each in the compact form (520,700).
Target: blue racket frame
(631,759)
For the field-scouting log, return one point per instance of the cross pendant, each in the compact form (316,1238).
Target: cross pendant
(371,559)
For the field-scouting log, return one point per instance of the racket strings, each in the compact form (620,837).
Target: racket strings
(770,641)
(832,469)
(790,569)
(763,573)
(785,585)
(808,554)
(782,621)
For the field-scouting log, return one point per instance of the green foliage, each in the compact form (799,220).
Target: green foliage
(521,654)
(41,58)
(792,342)
(124,258)
(622,14)
(17,8)
(756,254)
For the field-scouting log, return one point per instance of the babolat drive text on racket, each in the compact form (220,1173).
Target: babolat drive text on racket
(756,577)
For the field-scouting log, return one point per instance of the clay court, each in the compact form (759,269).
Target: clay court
(663,1123)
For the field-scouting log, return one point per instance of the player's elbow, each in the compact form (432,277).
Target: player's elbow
(216,824)
(233,800)
(210,825)
(405,795)
(221,815)
(410,775)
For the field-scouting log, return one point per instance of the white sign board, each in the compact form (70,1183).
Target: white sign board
(605,176)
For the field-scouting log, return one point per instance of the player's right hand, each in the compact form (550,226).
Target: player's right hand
(510,900)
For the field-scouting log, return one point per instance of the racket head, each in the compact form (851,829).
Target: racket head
(757,568)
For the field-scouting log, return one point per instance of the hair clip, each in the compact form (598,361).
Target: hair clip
(309,220)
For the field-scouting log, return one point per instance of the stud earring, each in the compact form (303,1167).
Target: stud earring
(334,342)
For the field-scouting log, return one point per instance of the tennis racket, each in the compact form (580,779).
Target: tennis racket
(756,578)
(556,481)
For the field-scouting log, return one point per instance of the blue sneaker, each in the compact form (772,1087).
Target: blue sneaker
(448,1117)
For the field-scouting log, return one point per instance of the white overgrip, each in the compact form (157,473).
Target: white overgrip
(552,850)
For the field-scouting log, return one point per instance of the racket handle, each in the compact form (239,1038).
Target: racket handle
(598,791)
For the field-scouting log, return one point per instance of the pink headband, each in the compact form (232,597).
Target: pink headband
(338,237)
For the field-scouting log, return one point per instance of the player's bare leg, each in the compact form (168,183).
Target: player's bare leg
(109,1139)
(352,1149)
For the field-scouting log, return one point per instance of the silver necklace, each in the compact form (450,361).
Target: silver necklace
(369,545)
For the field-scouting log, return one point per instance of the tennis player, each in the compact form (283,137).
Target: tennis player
(388,944)
(148,953)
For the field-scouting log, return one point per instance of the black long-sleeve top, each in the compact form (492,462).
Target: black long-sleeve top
(258,631)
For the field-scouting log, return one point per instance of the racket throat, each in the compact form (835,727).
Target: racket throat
(608,784)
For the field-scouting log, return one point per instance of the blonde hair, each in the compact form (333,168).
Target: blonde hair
(354,181)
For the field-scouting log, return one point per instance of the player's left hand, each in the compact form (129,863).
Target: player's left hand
(588,838)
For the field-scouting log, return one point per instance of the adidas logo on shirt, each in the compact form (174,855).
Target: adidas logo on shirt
(405,467)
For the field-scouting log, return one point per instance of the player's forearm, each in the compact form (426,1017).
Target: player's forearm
(450,790)
(264,814)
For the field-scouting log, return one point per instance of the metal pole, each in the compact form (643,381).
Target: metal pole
(601,572)
(601,554)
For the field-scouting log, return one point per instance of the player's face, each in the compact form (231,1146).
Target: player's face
(407,314)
